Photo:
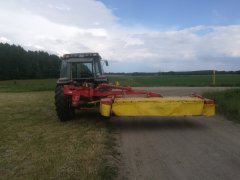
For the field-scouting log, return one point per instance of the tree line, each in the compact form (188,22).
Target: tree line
(17,63)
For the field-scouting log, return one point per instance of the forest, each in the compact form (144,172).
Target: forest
(17,63)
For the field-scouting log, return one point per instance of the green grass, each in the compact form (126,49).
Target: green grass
(35,145)
(227,103)
(135,81)
(27,85)
(177,80)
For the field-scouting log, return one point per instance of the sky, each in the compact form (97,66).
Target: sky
(133,35)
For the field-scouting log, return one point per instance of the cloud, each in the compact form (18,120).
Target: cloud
(88,25)
(4,40)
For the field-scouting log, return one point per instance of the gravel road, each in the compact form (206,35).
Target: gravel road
(178,148)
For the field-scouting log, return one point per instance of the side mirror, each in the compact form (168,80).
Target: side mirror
(106,62)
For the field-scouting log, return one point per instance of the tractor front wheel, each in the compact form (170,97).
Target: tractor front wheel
(63,104)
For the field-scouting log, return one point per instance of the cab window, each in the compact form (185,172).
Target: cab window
(82,70)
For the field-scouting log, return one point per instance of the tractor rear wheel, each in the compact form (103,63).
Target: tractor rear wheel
(63,104)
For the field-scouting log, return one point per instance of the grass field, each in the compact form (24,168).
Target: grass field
(35,145)
(227,103)
(27,85)
(177,80)
(135,81)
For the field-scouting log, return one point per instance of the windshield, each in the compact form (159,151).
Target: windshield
(81,70)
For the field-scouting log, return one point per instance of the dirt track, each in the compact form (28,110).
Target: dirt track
(178,148)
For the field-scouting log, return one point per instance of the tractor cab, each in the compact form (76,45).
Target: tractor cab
(81,68)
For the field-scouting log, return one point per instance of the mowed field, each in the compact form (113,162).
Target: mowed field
(35,145)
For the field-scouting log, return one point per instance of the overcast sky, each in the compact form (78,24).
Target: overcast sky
(153,35)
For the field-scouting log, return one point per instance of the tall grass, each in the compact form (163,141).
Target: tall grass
(227,103)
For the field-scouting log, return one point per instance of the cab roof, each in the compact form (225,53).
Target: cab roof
(80,55)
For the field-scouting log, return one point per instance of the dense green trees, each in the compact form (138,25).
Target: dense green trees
(17,63)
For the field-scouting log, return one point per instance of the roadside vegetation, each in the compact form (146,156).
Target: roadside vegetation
(35,145)
(227,103)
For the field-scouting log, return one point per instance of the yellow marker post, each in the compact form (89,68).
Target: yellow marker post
(117,83)
(214,77)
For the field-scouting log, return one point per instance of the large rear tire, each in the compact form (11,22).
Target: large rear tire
(63,105)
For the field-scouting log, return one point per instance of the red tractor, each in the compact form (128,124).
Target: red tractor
(82,85)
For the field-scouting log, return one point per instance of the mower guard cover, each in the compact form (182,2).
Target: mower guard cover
(157,106)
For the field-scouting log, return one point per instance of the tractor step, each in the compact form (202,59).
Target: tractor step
(157,106)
